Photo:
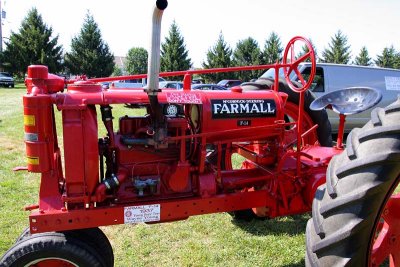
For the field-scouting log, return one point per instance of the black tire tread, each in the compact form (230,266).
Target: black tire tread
(392,108)
(376,115)
(331,179)
(345,210)
(352,143)
(375,133)
(52,244)
(348,200)
(94,237)
(316,216)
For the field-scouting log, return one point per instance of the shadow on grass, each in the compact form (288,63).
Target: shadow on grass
(291,225)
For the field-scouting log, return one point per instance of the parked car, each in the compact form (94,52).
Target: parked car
(171,85)
(142,81)
(125,84)
(197,80)
(229,83)
(208,87)
(105,85)
(134,83)
(331,77)
(6,80)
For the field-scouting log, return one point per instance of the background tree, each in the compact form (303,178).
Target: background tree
(117,71)
(305,50)
(272,49)
(247,53)
(33,44)
(219,56)
(174,56)
(136,60)
(338,50)
(89,54)
(363,58)
(397,61)
(388,59)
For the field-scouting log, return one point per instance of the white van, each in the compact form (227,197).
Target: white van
(331,77)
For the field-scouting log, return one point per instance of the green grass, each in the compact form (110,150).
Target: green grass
(208,240)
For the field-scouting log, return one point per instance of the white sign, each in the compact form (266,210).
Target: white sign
(144,213)
(392,83)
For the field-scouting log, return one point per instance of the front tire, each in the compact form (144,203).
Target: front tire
(94,237)
(348,209)
(51,249)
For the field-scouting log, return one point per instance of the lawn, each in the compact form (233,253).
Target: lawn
(208,240)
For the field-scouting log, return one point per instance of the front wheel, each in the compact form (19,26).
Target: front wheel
(94,237)
(355,215)
(51,249)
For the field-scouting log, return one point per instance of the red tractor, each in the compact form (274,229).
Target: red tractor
(173,162)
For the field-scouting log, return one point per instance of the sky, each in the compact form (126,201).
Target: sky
(126,23)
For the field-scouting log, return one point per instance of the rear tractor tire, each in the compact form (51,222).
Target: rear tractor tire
(352,223)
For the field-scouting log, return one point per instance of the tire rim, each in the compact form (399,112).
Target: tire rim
(51,262)
(385,240)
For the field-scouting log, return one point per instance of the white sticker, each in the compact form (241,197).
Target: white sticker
(392,83)
(144,213)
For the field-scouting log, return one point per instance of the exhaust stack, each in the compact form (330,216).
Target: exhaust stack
(153,72)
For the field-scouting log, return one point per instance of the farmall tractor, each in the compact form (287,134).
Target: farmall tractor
(176,160)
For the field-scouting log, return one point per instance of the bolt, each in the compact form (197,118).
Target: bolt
(385,212)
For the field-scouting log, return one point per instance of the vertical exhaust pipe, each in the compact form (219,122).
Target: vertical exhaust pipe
(153,72)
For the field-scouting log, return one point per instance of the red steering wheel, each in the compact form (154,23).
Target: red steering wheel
(289,57)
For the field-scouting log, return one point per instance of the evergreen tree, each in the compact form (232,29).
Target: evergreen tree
(219,56)
(363,58)
(305,50)
(388,59)
(338,51)
(117,71)
(397,61)
(33,44)
(247,53)
(174,56)
(89,54)
(136,60)
(272,49)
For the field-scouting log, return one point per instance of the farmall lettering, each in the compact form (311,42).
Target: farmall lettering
(243,108)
